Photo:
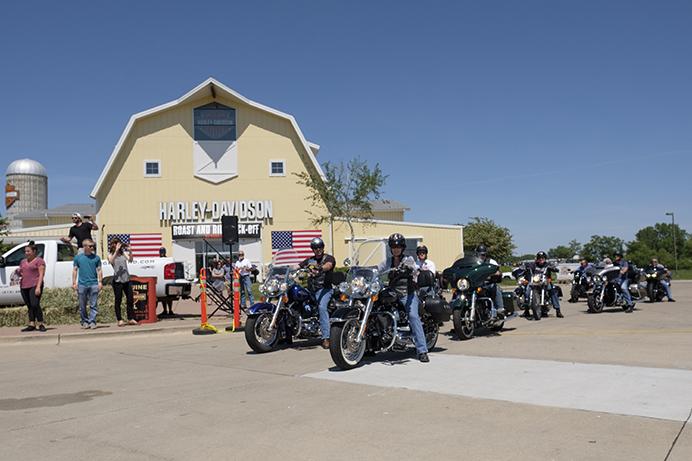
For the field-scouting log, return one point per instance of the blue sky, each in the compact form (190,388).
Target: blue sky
(556,119)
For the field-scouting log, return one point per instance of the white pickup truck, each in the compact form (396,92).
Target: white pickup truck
(173,279)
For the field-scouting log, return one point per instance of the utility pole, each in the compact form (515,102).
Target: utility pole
(675,247)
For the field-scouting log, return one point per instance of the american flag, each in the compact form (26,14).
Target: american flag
(141,245)
(298,241)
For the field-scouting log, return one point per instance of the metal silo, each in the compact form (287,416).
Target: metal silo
(26,188)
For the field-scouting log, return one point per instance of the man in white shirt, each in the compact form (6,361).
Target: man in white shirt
(244,267)
(422,261)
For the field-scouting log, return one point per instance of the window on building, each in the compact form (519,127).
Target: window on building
(215,122)
(152,168)
(277,168)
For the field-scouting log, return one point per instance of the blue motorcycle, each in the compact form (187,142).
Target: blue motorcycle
(287,309)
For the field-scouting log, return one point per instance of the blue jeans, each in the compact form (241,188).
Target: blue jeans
(666,286)
(411,303)
(552,292)
(245,290)
(323,295)
(88,293)
(625,287)
(498,303)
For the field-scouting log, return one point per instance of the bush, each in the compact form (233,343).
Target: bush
(59,307)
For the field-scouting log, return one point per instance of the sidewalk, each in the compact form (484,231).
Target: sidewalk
(187,318)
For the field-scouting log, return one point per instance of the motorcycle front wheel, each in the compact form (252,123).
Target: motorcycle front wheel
(432,331)
(258,335)
(651,292)
(463,324)
(345,351)
(595,304)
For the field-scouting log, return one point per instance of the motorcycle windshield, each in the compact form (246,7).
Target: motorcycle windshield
(284,264)
(478,274)
(364,278)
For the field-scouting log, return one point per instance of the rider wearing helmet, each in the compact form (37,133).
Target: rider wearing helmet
(422,261)
(541,263)
(321,266)
(401,277)
(498,303)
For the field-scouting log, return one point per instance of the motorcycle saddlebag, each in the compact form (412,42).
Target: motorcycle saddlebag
(509,301)
(438,308)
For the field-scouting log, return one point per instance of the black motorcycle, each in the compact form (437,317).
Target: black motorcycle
(607,291)
(654,288)
(582,282)
(375,320)
(534,287)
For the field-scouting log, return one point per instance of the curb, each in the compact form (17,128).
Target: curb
(60,338)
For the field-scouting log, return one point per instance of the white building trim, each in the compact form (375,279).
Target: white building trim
(310,148)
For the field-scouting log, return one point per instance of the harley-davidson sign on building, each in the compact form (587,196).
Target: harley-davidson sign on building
(179,167)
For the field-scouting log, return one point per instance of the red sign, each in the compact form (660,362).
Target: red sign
(11,195)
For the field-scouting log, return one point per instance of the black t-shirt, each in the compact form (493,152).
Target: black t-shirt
(323,279)
(81,233)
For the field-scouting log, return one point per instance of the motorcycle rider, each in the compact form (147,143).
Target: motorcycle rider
(584,266)
(402,278)
(541,262)
(665,281)
(422,261)
(624,280)
(321,267)
(498,303)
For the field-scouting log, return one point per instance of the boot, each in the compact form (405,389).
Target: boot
(558,314)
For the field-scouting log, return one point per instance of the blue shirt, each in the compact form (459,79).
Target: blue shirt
(87,266)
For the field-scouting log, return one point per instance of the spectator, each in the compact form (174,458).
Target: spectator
(162,252)
(217,276)
(87,280)
(119,255)
(228,275)
(31,271)
(166,303)
(244,267)
(81,231)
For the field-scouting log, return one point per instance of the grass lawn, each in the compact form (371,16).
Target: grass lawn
(682,274)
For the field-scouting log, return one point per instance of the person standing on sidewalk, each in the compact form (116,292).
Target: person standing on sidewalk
(244,267)
(31,271)
(119,255)
(87,280)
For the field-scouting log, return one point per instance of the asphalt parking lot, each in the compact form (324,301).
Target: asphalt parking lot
(607,386)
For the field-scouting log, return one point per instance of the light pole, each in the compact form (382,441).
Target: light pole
(675,247)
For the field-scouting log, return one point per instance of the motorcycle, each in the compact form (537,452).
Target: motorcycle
(654,289)
(581,283)
(472,297)
(607,291)
(374,320)
(287,309)
(535,288)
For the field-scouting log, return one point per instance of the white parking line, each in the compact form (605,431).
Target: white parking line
(651,392)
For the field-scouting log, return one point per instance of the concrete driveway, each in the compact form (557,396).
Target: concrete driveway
(607,386)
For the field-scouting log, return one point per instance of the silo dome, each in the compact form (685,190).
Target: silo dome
(26,166)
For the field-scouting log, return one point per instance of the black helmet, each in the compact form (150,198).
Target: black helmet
(397,240)
(481,250)
(316,243)
(617,253)
(421,249)
(541,254)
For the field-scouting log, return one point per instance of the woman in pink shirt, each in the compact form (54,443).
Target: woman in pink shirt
(31,270)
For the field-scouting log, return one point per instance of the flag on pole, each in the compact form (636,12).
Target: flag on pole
(141,245)
(298,241)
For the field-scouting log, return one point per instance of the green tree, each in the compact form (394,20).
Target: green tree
(4,227)
(657,241)
(561,252)
(602,246)
(496,238)
(346,192)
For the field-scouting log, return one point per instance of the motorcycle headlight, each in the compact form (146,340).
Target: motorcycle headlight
(271,287)
(343,287)
(283,287)
(463,284)
(536,279)
(597,279)
(358,286)
(375,287)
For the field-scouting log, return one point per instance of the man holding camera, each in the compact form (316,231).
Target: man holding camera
(81,230)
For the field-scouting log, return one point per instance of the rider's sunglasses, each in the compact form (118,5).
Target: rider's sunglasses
(422,252)
(397,246)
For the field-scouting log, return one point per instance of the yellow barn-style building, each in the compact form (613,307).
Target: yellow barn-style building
(179,167)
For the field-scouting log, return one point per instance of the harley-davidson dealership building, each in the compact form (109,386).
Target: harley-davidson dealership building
(179,167)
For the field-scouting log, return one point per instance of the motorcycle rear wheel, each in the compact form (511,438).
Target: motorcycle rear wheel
(463,325)
(595,305)
(345,352)
(257,333)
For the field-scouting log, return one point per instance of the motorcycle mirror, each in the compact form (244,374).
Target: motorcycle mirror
(2,261)
(347,262)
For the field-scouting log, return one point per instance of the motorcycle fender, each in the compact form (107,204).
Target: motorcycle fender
(260,308)
(458,303)
(344,313)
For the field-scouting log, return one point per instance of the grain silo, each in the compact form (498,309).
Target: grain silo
(26,188)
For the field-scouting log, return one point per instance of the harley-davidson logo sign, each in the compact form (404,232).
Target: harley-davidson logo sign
(11,195)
